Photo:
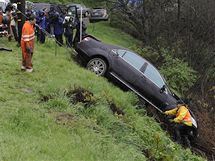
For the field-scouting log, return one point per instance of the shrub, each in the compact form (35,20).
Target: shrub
(177,72)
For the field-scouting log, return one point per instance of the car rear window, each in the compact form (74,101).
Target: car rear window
(152,73)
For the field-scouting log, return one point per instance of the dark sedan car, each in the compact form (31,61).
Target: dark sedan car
(133,71)
(85,10)
(129,68)
(98,14)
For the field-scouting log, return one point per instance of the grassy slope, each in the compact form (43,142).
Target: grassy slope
(32,131)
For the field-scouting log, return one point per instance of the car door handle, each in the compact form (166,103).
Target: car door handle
(143,77)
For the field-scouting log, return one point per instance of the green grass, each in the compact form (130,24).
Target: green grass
(31,130)
(112,35)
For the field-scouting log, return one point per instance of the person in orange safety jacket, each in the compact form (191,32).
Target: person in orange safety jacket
(27,43)
(1,16)
(182,120)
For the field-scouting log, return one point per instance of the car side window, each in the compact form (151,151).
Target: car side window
(152,73)
(132,58)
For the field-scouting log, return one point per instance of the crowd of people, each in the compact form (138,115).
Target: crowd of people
(40,24)
(49,22)
(8,22)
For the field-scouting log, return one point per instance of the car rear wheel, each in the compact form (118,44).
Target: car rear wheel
(98,66)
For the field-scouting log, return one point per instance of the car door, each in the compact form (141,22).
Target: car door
(126,65)
(154,83)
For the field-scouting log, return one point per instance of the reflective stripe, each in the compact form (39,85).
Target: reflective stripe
(26,36)
(28,39)
(187,117)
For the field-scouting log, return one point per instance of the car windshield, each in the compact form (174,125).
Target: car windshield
(153,74)
(132,58)
(71,11)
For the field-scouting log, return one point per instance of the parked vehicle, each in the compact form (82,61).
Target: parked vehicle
(40,6)
(29,5)
(3,4)
(98,14)
(85,10)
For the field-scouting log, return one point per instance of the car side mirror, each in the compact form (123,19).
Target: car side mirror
(163,89)
(115,52)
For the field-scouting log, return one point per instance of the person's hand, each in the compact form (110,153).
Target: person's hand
(166,113)
(29,50)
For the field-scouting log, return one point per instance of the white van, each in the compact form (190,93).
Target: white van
(3,4)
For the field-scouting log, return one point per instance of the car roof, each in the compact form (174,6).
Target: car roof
(97,42)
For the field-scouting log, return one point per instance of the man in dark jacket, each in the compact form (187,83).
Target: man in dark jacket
(42,22)
(58,29)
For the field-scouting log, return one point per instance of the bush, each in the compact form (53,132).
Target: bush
(177,72)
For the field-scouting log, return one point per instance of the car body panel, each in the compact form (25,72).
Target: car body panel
(85,10)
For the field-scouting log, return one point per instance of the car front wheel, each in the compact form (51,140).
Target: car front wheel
(98,66)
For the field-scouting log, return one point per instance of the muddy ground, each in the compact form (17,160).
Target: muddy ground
(206,138)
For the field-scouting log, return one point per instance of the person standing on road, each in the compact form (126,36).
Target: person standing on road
(27,43)
(182,119)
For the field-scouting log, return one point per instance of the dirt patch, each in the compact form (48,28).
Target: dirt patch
(116,110)
(27,90)
(81,95)
(45,98)
(63,118)
(148,154)
(206,139)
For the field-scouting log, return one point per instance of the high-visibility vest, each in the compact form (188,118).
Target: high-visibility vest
(1,19)
(28,33)
(187,117)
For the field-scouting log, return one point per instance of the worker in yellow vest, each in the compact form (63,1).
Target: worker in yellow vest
(182,120)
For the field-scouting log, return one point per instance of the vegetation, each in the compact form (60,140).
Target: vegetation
(183,26)
(63,112)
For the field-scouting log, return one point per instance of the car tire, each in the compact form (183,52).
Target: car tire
(98,66)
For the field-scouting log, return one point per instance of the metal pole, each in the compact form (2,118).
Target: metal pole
(21,18)
(81,26)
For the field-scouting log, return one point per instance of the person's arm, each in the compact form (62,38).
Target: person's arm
(171,112)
